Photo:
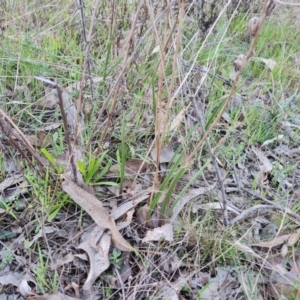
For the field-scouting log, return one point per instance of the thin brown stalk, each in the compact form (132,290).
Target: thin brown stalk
(231,92)
(65,122)
(175,62)
(115,90)
(86,62)
(158,98)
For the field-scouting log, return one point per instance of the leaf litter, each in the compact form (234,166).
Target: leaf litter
(168,267)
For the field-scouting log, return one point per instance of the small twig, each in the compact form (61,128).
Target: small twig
(244,214)
(213,157)
(277,206)
(81,6)
(68,140)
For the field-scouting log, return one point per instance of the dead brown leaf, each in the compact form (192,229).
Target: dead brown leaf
(266,167)
(95,209)
(142,217)
(166,154)
(294,237)
(132,167)
(164,232)
(97,246)
(122,209)
(10,181)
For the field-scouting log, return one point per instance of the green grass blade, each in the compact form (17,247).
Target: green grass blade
(50,158)
(164,184)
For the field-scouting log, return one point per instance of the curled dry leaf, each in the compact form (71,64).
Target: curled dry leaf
(48,101)
(49,127)
(24,288)
(95,209)
(64,260)
(266,164)
(164,232)
(98,254)
(10,181)
(166,154)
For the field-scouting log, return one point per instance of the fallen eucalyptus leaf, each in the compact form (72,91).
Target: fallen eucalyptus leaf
(95,209)
(98,254)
